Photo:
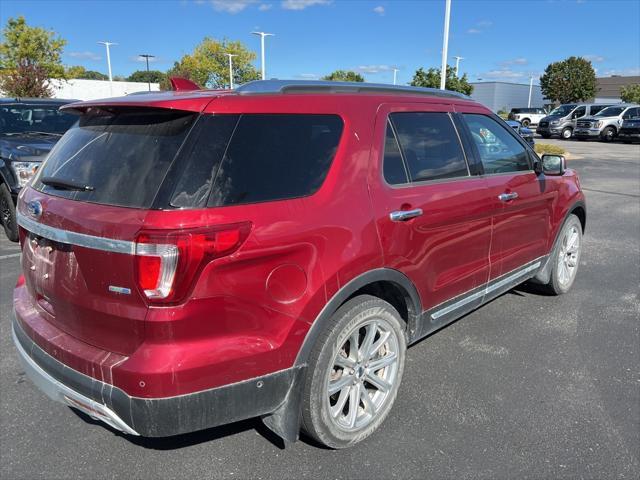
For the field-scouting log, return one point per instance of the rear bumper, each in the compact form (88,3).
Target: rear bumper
(151,417)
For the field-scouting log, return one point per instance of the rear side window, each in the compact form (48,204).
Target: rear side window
(393,165)
(430,146)
(595,109)
(275,157)
(121,156)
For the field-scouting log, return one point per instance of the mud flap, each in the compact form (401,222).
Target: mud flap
(285,420)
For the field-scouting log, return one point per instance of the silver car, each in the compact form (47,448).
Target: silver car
(562,120)
(606,123)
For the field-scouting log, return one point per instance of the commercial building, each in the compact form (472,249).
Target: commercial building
(80,89)
(505,96)
(608,88)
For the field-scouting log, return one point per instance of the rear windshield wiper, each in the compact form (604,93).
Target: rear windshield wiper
(66,184)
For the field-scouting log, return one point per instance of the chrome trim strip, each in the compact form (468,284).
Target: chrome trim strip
(485,291)
(60,393)
(74,238)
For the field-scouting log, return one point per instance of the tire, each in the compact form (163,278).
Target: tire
(333,364)
(608,134)
(566,257)
(566,133)
(8,214)
(525,123)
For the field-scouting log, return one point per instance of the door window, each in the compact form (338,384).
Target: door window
(499,151)
(430,146)
(393,167)
(579,112)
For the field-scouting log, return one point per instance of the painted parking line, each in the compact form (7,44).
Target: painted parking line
(13,255)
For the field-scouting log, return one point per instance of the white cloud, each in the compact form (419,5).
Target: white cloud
(231,6)
(264,7)
(308,76)
(374,68)
(503,73)
(302,4)
(624,72)
(480,26)
(595,58)
(85,55)
(379,10)
(515,61)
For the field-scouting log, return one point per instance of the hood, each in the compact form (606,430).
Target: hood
(25,146)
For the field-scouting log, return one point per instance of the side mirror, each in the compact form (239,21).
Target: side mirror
(553,164)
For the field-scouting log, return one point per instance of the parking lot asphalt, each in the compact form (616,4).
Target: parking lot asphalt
(528,386)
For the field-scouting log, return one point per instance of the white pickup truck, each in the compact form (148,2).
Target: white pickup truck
(527,116)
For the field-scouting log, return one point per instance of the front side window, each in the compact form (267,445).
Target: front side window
(631,113)
(499,151)
(579,112)
(430,146)
(595,109)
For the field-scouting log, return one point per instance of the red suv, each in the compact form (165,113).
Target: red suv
(193,258)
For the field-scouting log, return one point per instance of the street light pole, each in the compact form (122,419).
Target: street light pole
(395,75)
(107,45)
(445,45)
(530,89)
(146,56)
(458,63)
(230,69)
(262,35)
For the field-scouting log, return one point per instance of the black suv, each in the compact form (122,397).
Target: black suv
(29,128)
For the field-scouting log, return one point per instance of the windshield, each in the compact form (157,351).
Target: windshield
(21,118)
(610,112)
(562,110)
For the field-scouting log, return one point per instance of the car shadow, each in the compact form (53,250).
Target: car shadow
(177,442)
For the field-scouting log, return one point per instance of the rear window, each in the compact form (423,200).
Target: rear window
(268,157)
(121,156)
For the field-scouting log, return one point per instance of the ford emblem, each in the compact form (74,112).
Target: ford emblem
(34,207)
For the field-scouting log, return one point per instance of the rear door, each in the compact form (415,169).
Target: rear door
(522,200)
(433,216)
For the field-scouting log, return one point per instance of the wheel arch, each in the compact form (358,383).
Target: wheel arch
(285,420)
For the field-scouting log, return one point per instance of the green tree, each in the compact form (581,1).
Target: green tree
(208,66)
(79,71)
(570,80)
(344,76)
(630,93)
(153,76)
(29,58)
(431,79)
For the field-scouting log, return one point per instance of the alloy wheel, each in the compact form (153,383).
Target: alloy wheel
(569,256)
(363,375)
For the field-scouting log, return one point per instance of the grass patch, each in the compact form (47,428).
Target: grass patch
(542,148)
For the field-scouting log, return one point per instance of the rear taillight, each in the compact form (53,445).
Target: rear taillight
(168,262)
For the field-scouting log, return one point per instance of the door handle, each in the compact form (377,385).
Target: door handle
(404,215)
(505,197)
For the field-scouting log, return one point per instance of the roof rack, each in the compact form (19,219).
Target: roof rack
(316,86)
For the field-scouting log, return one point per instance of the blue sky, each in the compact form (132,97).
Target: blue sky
(499,40)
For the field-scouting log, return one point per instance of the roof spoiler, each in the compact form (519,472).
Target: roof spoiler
(179,84)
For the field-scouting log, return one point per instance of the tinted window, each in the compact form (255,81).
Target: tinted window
(18,118)
(593,109)
(273,157)
(499,150)
(200,158)
(121,155)
(393,165)
(611,112)
(579,112)
(631,113)
(430,146)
